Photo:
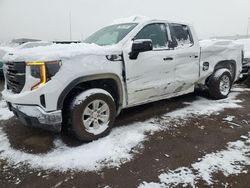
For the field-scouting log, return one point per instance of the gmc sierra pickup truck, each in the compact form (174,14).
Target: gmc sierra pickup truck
(83,87)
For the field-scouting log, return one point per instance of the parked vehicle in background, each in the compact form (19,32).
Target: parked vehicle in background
(246,68)
(1,69)
(246,62)
(5,50)
(246,71)
(133,62)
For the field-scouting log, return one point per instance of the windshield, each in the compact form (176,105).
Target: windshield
(111,34)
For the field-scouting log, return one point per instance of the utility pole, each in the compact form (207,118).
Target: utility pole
(70,27)
(248,24)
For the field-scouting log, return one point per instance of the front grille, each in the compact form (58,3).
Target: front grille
(15,76)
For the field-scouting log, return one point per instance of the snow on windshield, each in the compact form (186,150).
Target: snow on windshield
(110,35)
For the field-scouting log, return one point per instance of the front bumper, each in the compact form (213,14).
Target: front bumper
(34,116)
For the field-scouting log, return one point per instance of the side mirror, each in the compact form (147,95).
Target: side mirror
(139,46)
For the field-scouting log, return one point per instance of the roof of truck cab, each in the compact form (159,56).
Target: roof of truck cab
(143,19)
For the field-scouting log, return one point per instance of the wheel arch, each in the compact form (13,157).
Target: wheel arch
(108,81)
(229,64)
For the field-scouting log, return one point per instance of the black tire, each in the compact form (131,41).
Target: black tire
(78,129)
(215,81)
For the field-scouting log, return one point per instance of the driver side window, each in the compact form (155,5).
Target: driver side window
(157,33)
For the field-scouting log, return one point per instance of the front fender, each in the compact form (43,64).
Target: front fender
(95,77)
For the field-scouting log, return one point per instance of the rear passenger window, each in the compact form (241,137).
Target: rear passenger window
(156,32)
(182,35)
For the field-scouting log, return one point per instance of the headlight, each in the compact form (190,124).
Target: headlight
(44,71)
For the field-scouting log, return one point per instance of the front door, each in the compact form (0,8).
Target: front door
(151,75)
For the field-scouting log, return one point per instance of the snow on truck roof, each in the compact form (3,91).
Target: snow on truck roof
(143,19)
(135,19)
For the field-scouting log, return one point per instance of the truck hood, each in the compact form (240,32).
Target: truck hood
(60,52)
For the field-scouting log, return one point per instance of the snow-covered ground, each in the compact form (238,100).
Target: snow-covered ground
(5,114)
(231,161)
(118,148)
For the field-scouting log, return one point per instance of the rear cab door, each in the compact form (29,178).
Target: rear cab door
(187,57)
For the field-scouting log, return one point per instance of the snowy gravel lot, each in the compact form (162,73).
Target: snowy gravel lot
(187,141)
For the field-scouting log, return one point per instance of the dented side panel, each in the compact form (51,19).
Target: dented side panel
(149,76)
(163,73)
(216,52)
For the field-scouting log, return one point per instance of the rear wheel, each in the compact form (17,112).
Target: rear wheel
(92,114)
(220,84)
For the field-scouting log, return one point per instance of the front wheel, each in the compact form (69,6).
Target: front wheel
(220,84)
(92,114)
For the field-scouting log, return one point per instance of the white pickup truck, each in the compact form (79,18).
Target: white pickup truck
(83,87)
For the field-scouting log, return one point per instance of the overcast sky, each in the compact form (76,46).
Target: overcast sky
(49,19)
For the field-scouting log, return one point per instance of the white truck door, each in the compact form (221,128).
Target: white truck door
(151,75)
(187,52)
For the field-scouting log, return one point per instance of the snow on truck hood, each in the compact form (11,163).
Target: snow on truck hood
(59,51)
